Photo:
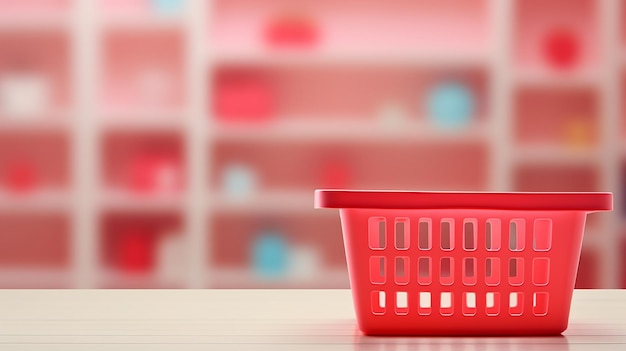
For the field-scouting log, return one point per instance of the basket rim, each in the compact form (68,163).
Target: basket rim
(408,199)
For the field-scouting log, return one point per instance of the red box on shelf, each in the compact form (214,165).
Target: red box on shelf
(243,100)
(152,173)
(136,250)
(336,175)
(561,48)
(21,176)
(291,31)
(143,163)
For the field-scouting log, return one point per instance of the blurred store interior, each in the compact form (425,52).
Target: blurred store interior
(177,143)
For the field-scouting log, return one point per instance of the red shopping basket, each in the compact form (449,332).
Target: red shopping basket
(460,263)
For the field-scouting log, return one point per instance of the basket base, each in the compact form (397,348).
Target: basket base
(456,330)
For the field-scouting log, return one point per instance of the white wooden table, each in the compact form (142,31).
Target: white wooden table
(257,320)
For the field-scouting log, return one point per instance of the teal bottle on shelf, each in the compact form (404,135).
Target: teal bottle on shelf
(450,104)
(270,254)
(238,181)
(168,6)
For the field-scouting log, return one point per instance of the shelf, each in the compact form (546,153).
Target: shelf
(144,121)
(120,200)
(348,131)
(555,154)
(138,113)
(35,277)
(40,124)
(558,81)
(46,200)
(133,21)
(51,120)
(365,58)
(241,278)
(34,22)
(275,201)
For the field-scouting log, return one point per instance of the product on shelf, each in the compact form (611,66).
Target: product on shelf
(270,254)
(243,99)
(450,104)
(578,133)
(167,6)
(291,31)
(238,181)
(336,174)
(171,257)
(561,48)
(24,93)
(127,6)
(304,262)
(155,173)
(136,250)
(21,176)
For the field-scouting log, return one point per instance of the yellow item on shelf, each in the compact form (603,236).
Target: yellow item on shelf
(578,133)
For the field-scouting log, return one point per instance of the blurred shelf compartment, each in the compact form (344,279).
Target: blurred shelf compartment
(556,154)
(46,200)
(594,239)
(128,201)
(34,22)
(558,80)
(348,131)
(366,58)
(35,277)
(263,202)
(56,122)
(241,278)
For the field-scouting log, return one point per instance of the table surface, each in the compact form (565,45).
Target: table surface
(257,319)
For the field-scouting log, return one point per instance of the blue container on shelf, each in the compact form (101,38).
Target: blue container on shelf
(270,254)
(238,181)
(450,104)
(168,6)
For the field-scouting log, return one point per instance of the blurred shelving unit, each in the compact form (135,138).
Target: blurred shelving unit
(335,94)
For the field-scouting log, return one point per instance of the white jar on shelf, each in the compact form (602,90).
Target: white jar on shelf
(24,94)
(171,258)
(304,263)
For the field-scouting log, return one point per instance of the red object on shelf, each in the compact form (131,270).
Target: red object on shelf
(244,100)
(561,48)
(152,173)
(21,176)
(462,263)
(136,250)
(293,31)
(336,175)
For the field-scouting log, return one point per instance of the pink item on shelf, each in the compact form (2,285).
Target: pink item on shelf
(136,250)
(155,173)
(291,31)
(561,48)
(127,6)
(462,263)
(244,100)
(21,176)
